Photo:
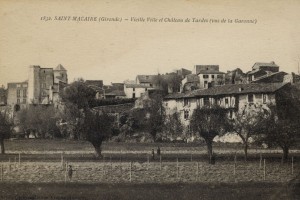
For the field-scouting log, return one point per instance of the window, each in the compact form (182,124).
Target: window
(18,85)
(250,98)
(198,102)
(205,84)
(24,100)
(205,76)
(264,98)
(18,101)
(230,114)
(186,114)
(146,89)
(185,102)
(25,93)
(206,101)
(18,93)
(212,76)
(44,85)
(133,95)
(219,76)
(24,85)
(226,101)
(133,89)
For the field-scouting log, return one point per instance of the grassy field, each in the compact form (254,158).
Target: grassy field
(127,171)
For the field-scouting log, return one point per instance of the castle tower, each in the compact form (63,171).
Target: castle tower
(34,84)
(60,74)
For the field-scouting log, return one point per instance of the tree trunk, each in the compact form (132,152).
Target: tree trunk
(246,151)
(98,152)
(285,153)
(2,146)
(98,149)
(210,151)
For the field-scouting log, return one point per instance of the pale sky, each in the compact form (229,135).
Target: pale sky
(116,51)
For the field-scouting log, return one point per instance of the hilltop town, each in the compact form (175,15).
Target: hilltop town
(182,90)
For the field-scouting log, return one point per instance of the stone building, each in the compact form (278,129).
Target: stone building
(3,96)
(232,97)
(43,82)
(260,69)
(42,87)
(17,95)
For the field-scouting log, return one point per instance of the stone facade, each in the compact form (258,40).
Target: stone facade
(231,97)
(42,86)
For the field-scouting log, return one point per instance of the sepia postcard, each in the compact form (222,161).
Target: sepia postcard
(170,99)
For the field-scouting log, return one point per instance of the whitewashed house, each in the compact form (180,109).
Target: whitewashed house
(232,97)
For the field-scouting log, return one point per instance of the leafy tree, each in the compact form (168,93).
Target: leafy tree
(209,122)
(71,120)
(173,125)
(90,126)
(79,94)
(156,117)
(6,128)
(174,83)
(97,127)
(249,122)
(40,119)
(282,132)
(161,83)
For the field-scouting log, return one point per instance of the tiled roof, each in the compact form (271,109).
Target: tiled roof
(210,72)
(137,86)
(256,70)
(146,78)
(268,75)
(175,96)
(264,64)
(231,89)
(98,83)
(241,89)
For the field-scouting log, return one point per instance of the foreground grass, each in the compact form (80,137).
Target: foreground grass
(148,191)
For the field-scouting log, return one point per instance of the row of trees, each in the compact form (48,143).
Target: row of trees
(257,122)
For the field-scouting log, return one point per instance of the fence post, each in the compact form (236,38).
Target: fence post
(66,166)
(292,165)
(62,160)
(260,161)
(264,169)
(19,159)
(160,162)
(9,166)
(130,171)
(110,163)
(197,175)
(177,169)
(1,172)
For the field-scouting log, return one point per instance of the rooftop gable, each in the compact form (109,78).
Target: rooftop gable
(60,68)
